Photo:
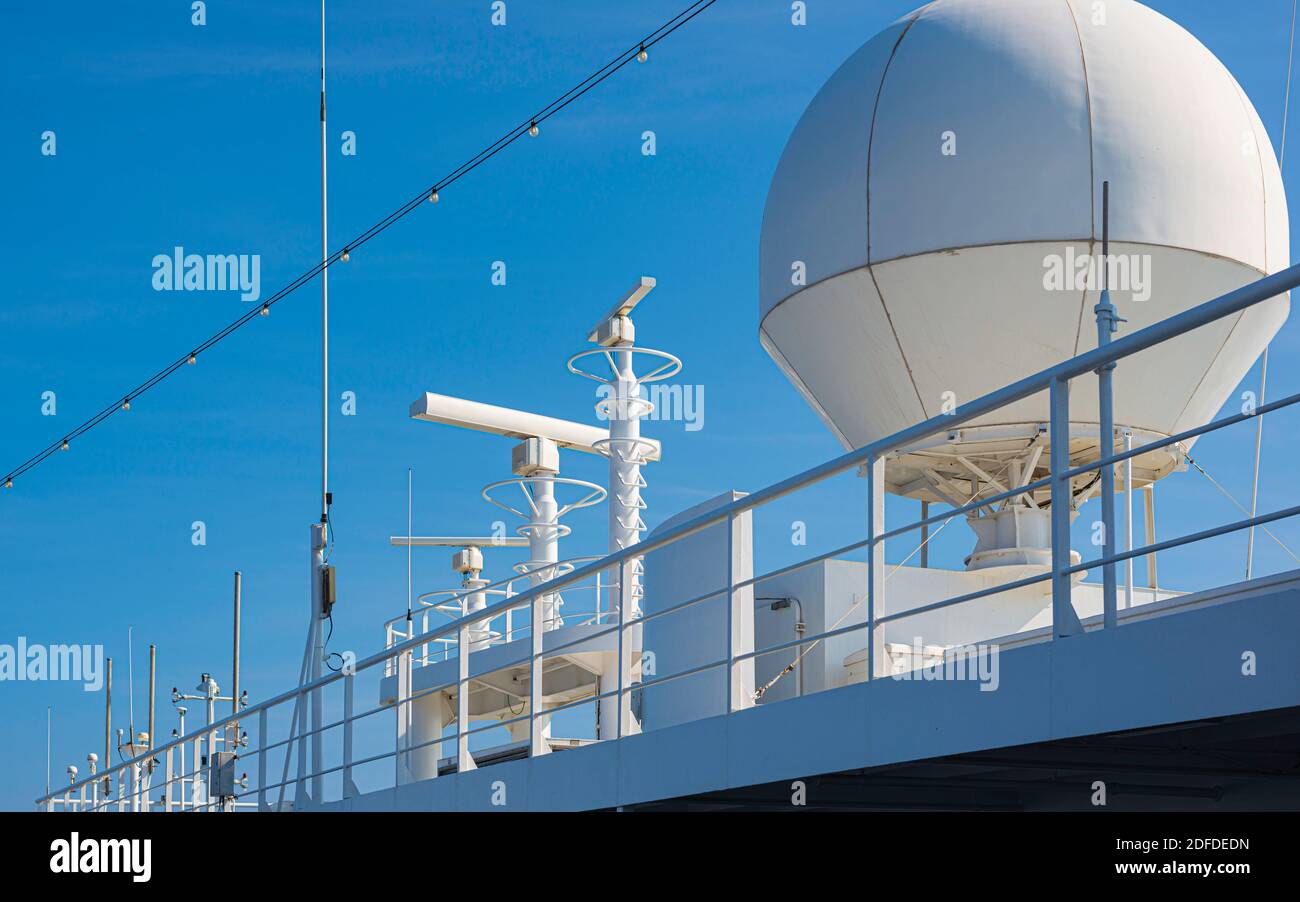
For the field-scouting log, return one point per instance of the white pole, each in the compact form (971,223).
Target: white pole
(49,720)
(181,754)
(1128,519)
(1151,533)
(317,653)
(1254,482)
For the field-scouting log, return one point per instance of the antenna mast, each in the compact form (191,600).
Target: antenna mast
(408,544)
(324,295)
(130,680)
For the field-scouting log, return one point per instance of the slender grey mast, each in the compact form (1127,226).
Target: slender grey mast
(130,681)
(153,688)
(234,666)
(108,724)
(324,295)
(408,543)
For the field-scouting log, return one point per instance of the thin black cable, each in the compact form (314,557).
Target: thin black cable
(551,109)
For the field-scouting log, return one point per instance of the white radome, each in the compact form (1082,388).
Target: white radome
(934,179)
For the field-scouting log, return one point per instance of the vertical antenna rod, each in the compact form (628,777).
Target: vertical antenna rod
(49,719)
(408,544)
(324,296)
(234,680)
(130,681)
(153,687)
(108,724)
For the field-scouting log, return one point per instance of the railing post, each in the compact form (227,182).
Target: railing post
(261,760)
(730,630)
(167,791)
(300,783)
(875,473)
(1107,444)
(464,760)
(624,671)
(349,789)
(403,706)
(536,725)
(1149,508)
(1128,519)
(212,753)
(196,774)
(1065,622)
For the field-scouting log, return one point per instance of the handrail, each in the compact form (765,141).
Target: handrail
(1059,374)
(490,587)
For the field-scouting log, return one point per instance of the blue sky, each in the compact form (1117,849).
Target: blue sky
(206,137)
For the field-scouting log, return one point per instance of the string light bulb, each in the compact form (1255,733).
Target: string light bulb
(433,196)
(193,360)
(266,310)
(344,255)
(532,129)
(9,483)
(64,446)
(642,55)
(126,404)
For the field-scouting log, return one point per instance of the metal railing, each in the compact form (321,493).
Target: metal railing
(134,778)
(420,621)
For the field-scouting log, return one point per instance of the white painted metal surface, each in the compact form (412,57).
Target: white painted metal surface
(925,270)
(435,408)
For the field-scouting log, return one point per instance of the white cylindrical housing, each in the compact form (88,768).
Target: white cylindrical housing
(479,634)
(544,545)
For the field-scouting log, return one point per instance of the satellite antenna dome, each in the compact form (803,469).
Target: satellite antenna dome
(932,223)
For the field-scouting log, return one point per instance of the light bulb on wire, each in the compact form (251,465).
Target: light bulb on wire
(64,446)
(126,404)
(344,256)
(266,310)
(642,55)
(9,483)
(193,360)
(433,196)
(532,129)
